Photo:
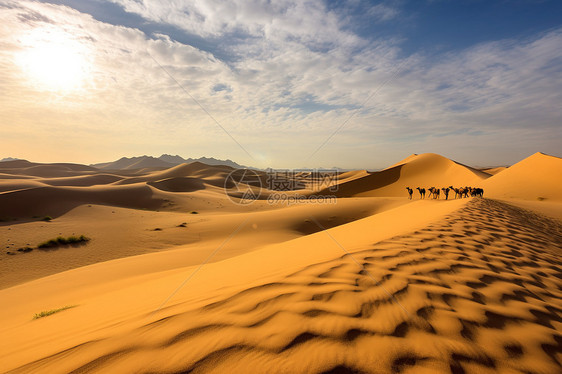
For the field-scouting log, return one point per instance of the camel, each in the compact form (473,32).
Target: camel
(446,192)
(434,192)
(431,191)
(476,192)
(422,192)
(457,191)
(463,192)
(410,192)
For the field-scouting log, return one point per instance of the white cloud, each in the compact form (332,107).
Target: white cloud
(295,75)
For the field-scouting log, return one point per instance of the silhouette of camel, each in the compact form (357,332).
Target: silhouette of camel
(446,192)
(476,192)
(410,192)
(462,192)
(465,192)
(457,191)
(433,192)
(422,192)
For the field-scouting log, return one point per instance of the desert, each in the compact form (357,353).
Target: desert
(281,187)
(193,281)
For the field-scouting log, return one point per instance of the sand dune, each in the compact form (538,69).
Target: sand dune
(120,232)
(494,171)
(192,170)
(370,283)
(178,184)
(19,184)
(462,294)
(425,170)
(55,201)
(55,195)
(538,177)
(44,170)
(84,181)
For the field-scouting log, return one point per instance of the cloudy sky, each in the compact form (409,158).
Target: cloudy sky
(285,83)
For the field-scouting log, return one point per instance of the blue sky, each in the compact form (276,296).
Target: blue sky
(421,26)
(477,81)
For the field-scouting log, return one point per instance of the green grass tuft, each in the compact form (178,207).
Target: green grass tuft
(47,313)
(57,242)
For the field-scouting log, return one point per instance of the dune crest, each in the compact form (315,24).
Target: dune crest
(538,177)
(425,170)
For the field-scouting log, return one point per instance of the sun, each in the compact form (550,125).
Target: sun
(54,60)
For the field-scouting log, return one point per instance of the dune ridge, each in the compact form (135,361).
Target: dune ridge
(425,170)
(537,177)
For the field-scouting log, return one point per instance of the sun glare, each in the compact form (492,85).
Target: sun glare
(54,60)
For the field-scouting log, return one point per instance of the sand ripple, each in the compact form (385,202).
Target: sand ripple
(480,291)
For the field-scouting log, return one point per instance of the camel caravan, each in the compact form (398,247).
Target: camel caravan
(435,193)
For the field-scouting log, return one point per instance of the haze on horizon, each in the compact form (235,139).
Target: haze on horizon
(358,84)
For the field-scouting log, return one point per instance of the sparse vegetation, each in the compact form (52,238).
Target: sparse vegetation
(183,224)
(63,241)
(540,198)
(47,218)
(53,243)
(194,212)
(47,313)
(157,229)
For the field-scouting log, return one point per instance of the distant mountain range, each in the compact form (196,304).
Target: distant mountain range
(9,159)
(164,161)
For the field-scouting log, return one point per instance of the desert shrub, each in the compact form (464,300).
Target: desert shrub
(60,240)
(76,239)
(47,313)
(47,218)
(48,244)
